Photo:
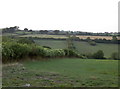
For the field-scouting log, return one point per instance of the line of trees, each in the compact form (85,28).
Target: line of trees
(58,32)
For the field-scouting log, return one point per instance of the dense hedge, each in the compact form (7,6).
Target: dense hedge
(13,51)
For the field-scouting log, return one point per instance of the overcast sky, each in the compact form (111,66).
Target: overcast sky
(80,15)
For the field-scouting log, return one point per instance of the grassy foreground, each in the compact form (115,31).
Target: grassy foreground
(65,72)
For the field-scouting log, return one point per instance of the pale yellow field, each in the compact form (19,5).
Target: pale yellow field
(45,36)
(64,36)
(96,37)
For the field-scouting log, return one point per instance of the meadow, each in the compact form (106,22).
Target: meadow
(67,72)
(82,47)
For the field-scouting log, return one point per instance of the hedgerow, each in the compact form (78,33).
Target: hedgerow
(14,51)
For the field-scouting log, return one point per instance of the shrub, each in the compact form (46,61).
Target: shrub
(93,43)
(98,55)
(115,56)
(25,41)
(70,53)
(59,52)
(36,51)
(89,55)
(12,50)
(54,52)
(7,39)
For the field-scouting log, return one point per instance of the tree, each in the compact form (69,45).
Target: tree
(98,55)
(10,29)
(70,44)
(56,31)
(88,39)
(26,29)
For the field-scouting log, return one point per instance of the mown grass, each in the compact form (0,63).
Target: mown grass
(81,47)
(67,72)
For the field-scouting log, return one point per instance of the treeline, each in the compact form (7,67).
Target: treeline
(58,32)
(10,29)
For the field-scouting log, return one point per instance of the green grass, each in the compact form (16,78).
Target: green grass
(56,44)
(67,72)
(108,49)
(82,47)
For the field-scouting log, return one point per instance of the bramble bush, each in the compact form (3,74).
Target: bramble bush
(13,50)
(54,52)
(25,41)
(36,50)
(70,53)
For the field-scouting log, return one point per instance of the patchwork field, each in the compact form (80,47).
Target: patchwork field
(45,36)
(62,73)
(82,47)
(96,37)
(64,36)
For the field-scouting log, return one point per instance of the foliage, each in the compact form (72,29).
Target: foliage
(115,56)
(88,55)
(93,43)
(25,41)
(98,55)
(10,29)
(7,39)
(54,52)
(13,50)
(70,53)
(36,51)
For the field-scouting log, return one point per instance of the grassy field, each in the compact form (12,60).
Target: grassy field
(108,49)
(82,47)
(52,43)
(62,73)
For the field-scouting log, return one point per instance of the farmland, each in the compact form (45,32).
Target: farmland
(44,36)
(64,36)
(82,47)
(67,72)
(35,62)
